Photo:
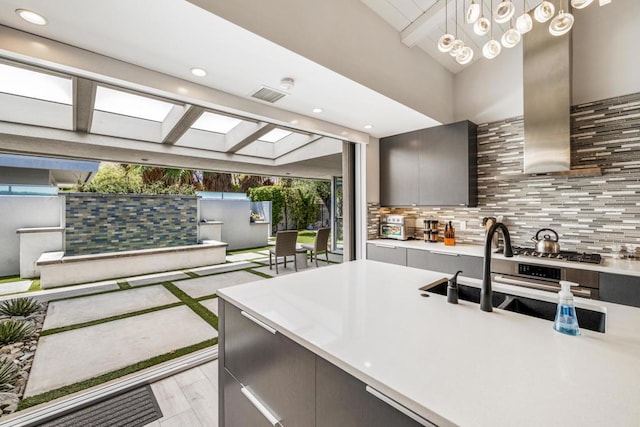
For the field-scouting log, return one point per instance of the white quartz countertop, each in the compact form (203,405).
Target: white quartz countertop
(608,265)
(454,364)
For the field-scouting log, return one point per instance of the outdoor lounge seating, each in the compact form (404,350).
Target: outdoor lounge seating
(320,244)
(285,246)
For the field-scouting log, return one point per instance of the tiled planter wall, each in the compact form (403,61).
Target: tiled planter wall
(98,223)
(590,212)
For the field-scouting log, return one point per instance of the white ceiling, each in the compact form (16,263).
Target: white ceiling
(427,18)
(172,36)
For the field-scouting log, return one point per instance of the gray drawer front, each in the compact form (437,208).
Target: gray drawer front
(620,289)
(276,369)
(427,260)
(239,412)
(386,252)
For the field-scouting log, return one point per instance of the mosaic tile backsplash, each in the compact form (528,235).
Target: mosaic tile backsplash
(98,223)
(590,213)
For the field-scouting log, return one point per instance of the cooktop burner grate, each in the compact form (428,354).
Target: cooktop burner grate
(561,256)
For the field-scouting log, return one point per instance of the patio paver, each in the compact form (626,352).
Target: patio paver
(211,305)
(208,285)
(13,287)
(89,308)
(148,279)
(221,268)
(66,358)
(247,256)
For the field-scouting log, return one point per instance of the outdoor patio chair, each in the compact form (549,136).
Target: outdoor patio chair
(285,246)
(320,244)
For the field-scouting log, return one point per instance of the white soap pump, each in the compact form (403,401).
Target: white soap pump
(566,320)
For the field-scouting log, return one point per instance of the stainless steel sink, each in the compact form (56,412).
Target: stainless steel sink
(587,319)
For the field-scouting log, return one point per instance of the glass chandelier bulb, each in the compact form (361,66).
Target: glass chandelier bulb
(464,56)
(544,11)
(491,49)
(524,23)
(456,47)
(561,24)
(482,26)
(504,11)
(511,38)
(604,2)
(580,4)
(446,43)
(473,13)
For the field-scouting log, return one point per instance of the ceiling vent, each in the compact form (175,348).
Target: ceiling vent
(268,94)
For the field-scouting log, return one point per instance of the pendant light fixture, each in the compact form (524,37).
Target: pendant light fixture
(473,12)
(511,38)
(580,4)
(544,11)
(458,44)
(504,11)
(446,41)
(492,48)
(482,25)
(524,23)
(464,56)
(562,23)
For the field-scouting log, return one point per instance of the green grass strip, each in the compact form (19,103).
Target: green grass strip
(9,279)
(106,319)
(258,273)
(208,297)
(193,304)
(124,286)
(190,274)
(35,286)
(82,385)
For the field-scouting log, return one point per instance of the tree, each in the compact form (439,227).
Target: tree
(249,181)
(113,178)
(305,208)
(214,181)
(274,194)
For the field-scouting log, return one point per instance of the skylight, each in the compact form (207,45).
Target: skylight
(32,84)
(215,123)
(128,104)
(275,135)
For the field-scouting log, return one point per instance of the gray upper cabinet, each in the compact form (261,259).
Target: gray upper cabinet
(399,169)
(430,167)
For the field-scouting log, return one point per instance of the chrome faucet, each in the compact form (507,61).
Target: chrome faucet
(486,293)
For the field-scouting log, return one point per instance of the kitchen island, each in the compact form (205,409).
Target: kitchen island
(433,361)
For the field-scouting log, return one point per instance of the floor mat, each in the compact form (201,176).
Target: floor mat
(134,408)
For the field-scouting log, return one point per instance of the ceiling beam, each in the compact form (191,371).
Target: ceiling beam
(309,140)
(84,99)
(246,133)
(421,27)
(178,122)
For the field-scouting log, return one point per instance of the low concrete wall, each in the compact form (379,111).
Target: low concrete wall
(24,212)
(58,270)
(237,230)
(33,243)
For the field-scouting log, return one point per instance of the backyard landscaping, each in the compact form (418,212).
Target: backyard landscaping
(136,323)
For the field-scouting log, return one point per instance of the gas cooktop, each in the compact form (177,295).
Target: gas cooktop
(561,256)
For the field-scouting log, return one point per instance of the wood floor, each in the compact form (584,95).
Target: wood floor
(189,398)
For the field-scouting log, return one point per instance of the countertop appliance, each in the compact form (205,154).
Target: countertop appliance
(393,227)
(517,272)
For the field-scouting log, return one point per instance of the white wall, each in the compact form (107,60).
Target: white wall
(20,212)
(605,64)
(237,231)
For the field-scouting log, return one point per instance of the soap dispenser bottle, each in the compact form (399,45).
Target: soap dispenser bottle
(566,320)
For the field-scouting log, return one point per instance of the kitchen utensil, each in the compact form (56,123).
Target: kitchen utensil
(487,222)
(547,245)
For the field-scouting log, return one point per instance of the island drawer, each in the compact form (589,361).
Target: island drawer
(238,408)
(387,252)
(278,371)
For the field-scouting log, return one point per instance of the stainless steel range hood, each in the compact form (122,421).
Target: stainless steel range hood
(547,101)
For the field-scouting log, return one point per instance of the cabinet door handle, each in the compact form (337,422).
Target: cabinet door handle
(444,253)
(260,407)
(409,413)
(379,245)
(258,322)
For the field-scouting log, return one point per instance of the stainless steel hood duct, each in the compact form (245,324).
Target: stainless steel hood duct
(547,100)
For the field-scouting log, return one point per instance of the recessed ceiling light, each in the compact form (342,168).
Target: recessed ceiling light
(317,110)
(368,126)
(287,83)
(31,17)
(198,72)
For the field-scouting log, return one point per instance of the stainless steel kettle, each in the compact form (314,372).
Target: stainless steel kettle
(546,245)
